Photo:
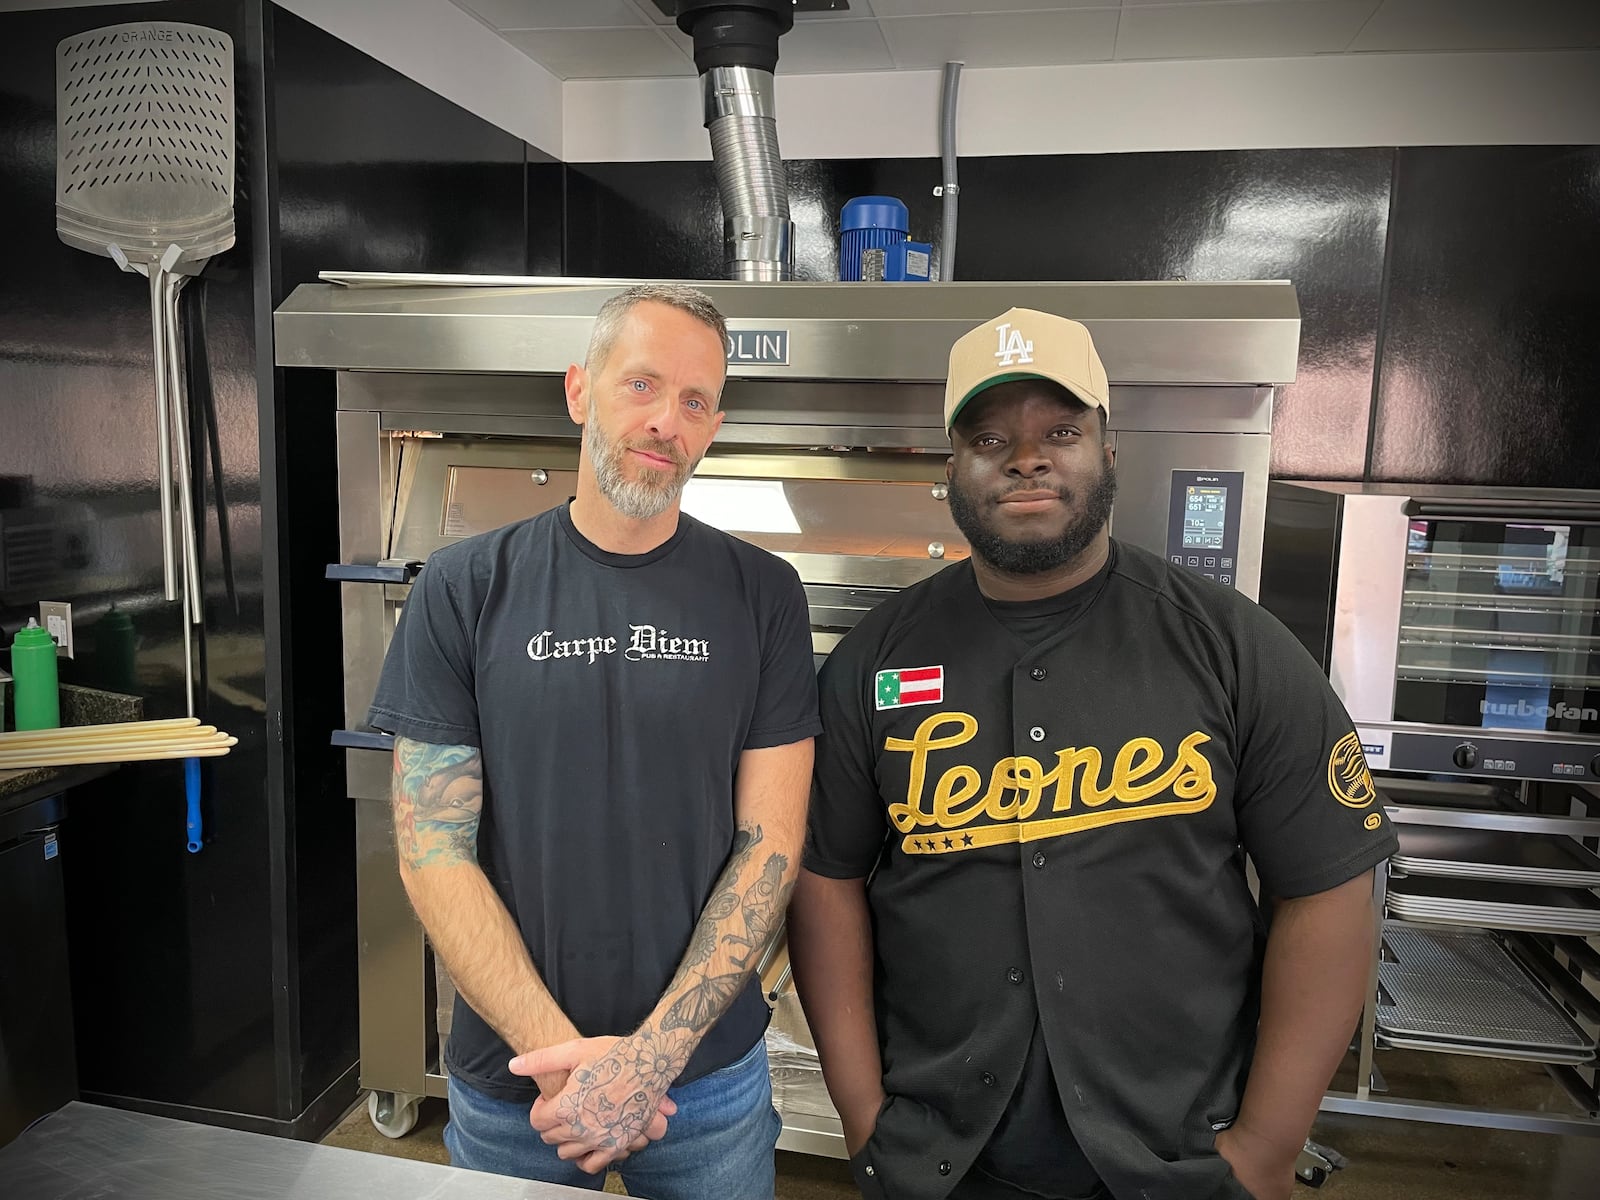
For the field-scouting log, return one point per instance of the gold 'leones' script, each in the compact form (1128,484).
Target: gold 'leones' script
(1013,799)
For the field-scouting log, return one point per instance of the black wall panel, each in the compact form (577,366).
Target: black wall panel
(374,173)
(1317,217)
(1491,363)
(547,213)
(172,952)
(221,985)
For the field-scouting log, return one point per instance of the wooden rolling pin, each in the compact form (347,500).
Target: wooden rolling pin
(115,731)
(116,754)
(131,741)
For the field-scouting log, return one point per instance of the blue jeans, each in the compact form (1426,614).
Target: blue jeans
(720,1144)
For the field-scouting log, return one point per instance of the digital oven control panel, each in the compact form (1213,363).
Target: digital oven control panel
(1203,523)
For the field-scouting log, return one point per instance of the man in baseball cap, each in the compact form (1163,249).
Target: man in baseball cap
(1044,529)
(1023,934)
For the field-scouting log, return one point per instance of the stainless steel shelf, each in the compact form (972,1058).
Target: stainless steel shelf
(1426,673)
(1528,907)
(1483,602)
(1550,1057)
(1494,855)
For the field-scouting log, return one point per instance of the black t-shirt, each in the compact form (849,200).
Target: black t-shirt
(1034,621)
(1032,1147)
(1059,833)
(612,696)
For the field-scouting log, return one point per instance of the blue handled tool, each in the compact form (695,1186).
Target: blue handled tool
(191,787)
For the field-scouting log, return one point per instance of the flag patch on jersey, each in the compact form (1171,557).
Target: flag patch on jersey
(914,685)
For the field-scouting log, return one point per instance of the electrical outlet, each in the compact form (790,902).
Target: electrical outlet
(56,617)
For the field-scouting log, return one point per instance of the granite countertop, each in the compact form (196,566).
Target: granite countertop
(79,706)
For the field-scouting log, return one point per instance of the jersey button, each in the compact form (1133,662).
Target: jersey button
(944,1168)
(1038,858)
(988,1079)
(1036,733)
(1038,673)
(1015,974)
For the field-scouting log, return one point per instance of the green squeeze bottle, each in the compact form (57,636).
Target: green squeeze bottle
(33,671)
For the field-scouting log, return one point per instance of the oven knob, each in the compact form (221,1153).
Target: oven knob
(1594,765)
(1466,756)
(941,491)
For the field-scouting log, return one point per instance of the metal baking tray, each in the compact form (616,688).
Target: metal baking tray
(1578,1058)
(1461,990)
(1494,854)
(1434,793)
(1531,907)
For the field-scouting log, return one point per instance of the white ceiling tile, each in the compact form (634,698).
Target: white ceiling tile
(1027,39)
(858,8)
(820,47)
(1482,25)
(1281,28)
(555,14)
(602,53)
(939,8)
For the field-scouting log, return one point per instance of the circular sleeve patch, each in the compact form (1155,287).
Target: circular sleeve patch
(1348,777)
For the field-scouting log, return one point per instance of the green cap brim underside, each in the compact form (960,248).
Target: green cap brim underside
(1010,377)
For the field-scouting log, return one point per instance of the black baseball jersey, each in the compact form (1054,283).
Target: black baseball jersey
(1058,830)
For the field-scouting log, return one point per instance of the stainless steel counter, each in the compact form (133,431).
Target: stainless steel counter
(84,1150)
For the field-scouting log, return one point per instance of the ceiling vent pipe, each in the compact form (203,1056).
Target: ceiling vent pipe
(736,51)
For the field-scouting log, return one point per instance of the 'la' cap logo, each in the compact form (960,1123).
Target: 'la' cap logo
(1012,348)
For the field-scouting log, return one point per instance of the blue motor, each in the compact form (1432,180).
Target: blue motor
(881,224)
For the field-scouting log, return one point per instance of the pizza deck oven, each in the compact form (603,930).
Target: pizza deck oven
(451,421)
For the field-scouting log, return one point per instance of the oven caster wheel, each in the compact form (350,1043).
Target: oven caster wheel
(1312,1176)
(393,1114)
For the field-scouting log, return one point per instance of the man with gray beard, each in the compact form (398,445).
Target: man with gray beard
(603,718)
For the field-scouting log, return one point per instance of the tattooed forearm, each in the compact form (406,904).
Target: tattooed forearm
(438,801)
(610,1098)
(742,912)
(706,999)
(762,906)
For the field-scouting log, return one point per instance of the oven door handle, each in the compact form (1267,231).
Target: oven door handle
(362,739)
(390,570)
(1547,512)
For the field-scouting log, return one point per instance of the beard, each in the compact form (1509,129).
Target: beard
(1044,554)
(654,491)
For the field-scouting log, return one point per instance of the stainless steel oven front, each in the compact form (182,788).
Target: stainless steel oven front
(452,421)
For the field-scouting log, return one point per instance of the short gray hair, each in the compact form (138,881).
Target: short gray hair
(608,321)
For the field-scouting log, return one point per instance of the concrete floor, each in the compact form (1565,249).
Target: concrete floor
(1388,1160)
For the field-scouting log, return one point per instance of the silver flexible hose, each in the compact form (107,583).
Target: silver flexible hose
(758,236)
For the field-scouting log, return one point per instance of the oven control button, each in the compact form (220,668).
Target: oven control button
(1465,756)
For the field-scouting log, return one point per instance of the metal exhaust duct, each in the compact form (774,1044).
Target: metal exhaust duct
(736,51)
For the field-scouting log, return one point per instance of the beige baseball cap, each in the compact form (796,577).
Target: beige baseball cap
(1023,343)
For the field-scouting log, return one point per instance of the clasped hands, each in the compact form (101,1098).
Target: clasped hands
(601,1098)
